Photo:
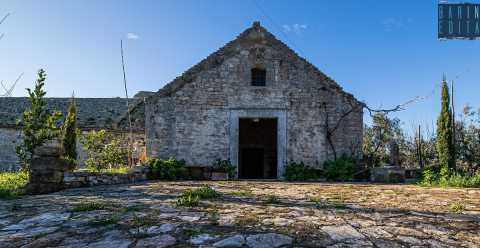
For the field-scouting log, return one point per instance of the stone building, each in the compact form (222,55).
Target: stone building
(256,103)
(92,114)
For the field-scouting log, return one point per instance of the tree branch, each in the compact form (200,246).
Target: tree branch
(4,18)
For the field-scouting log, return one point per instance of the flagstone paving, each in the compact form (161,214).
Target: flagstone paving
(248,214)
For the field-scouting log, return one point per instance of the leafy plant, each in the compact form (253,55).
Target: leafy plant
(118,169)
(170,169)
(192,197)
(37,122)
(225,166)
(457,207)
(106,221)
(432,177)
(12,183)
(341,169)
(103,151)
(89,206)
(69,134)
(301,172)
(429,176)
(188,200)
(271,199)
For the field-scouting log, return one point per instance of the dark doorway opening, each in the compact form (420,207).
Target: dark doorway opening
(257,148)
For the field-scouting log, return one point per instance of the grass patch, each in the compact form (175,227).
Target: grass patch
(117,169)
(242,193)
(192,197)
(111,220)
(327,204)
(89,206)
(12,184)
(457,207)
(139,221)
(271,199)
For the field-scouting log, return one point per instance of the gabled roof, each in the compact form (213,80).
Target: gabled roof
(217,58)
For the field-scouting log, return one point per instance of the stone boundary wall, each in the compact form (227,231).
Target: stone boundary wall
(89,179)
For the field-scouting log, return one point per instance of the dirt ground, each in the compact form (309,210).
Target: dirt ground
(247,214)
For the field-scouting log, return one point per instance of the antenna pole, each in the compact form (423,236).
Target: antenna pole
(130,145)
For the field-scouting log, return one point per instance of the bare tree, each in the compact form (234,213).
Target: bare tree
(8,90)
(331,126)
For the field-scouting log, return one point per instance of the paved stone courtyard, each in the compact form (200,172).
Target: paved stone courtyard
(248,214)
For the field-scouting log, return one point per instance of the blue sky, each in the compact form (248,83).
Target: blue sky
(384,52)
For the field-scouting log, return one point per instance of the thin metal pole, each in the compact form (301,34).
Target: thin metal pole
(130,145)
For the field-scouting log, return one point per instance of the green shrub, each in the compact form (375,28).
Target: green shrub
(457,207)
(192,197)
(89,206)
(225,166)
(301,172)
(432,176)
(429,176)
(204,192)
(341,169)
(170,169)
(69,135)
(12,183)
(103,151)
(38,123)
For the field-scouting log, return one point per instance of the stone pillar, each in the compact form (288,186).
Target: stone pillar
(394,153)
(47,169)
(391,173)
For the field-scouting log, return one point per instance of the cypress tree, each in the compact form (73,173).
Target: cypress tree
(38,123)
(69,138)
(445,147)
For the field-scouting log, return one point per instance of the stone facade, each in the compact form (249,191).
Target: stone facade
(193,118)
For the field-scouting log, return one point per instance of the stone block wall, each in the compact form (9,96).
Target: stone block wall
(88,179)
(9,139)
(46,169)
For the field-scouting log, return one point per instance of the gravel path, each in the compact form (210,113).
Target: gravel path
(248,214)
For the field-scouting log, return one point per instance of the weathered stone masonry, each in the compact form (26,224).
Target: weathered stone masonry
(191,118)
(92,113)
